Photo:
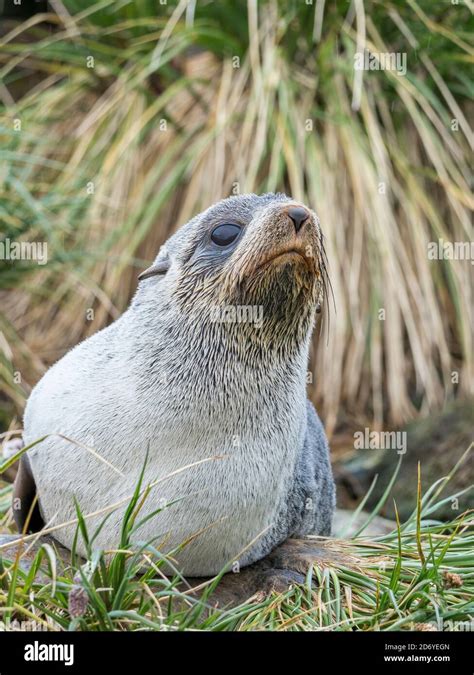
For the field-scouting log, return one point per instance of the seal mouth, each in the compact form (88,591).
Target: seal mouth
(286,255)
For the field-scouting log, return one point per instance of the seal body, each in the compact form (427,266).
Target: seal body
(202,382)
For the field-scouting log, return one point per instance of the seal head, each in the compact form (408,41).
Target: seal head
(249,256)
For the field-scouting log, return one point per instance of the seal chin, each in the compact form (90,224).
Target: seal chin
(284,283)
(274,275)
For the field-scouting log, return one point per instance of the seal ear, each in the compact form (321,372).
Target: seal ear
(161,266)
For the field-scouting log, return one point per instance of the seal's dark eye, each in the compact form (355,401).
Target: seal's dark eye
(225,234)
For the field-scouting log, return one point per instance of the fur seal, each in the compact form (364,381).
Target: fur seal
(209,361)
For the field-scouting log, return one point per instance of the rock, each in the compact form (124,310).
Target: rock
(345,525)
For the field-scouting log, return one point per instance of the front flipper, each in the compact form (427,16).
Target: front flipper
(24,499)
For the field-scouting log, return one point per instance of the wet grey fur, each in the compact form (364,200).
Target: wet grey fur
(164,379)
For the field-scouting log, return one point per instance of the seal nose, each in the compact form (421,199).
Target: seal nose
(298,215)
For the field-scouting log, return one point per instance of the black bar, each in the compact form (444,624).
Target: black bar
(303,652)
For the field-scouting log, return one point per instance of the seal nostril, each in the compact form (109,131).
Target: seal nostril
(298,215)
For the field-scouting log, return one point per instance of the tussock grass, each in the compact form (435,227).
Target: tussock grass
(418,577)
(95,174)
